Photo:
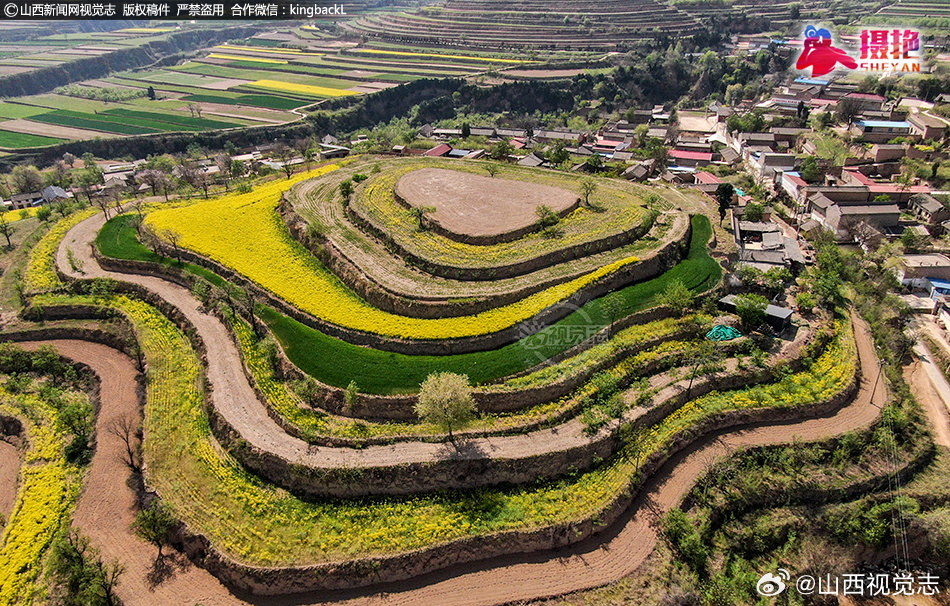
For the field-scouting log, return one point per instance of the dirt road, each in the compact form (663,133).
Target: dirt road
(104,514)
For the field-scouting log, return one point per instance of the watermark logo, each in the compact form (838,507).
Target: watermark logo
(895,50)
(542,339)
(857,584)
(772,584)
(883,51)
(820,55)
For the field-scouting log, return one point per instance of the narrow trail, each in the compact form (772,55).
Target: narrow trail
(9,479)
(237,402)
(107,506)
(104,513)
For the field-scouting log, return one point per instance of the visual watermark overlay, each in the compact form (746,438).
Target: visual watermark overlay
(878,584)
(300,9)
(892,50)
(539,338)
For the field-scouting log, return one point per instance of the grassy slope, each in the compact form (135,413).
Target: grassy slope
(386,372)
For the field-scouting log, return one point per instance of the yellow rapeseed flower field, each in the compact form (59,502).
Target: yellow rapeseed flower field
(437,55)
(243,232)
(247,58)
(304,89)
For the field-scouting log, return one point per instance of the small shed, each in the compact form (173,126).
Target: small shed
(779,318)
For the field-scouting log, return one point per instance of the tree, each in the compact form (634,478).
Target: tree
(69,159)
(195,110)
(724,194)
(79,575)
(419,213)
(156,180)
(153,524)
(492,169)
(751,309)
(445,400)
(810,170)
(173,238)
(346,188)
(588,187)
(193,174)
(558,153)
(847,110)
(501,150)
(151,92)
(27,179)
(614,305)
(126,429)
(6,229)
(466,130)
(594,163)
(59,176)
(754,212)
(285,154)
(677,297)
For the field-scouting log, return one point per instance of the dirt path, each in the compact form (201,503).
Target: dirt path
(932,391)
(622,548)
(9,479)
(373,259)
(104,512)
(236,401)
(107,504)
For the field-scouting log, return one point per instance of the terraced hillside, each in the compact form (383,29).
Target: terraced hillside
(313,470)
(530,23)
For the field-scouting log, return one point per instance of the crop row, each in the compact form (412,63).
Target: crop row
(48,488)
(12,140)
(218,229)
(259,524)
(375,200)
(380,372)
(78,120)
(41,273)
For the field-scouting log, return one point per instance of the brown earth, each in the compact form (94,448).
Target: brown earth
(107,504)
(105,510)
(9,479)
(22,125)
(480,206)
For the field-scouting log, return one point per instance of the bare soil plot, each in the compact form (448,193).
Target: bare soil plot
(50,130)
(9,476)
(225,84)
(544,73)
(474,205)
(7,70)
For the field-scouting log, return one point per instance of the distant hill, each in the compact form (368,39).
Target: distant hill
(593,25)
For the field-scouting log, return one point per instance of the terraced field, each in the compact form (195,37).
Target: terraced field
(528,24)
(315,474)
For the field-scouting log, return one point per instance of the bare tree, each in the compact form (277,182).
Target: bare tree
(128,430)
(6,229)
(285,154)
(588,187)
(174,239)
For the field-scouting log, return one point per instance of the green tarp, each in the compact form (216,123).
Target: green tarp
(721,332)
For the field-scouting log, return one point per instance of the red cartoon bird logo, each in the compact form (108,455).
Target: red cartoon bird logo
(820,55)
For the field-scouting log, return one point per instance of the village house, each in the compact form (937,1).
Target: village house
(926,127)
(928,209)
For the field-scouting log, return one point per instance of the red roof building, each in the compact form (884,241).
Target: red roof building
(707,178)
(439,150)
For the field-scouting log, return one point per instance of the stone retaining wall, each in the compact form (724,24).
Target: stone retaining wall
(497,272)
(509,236)
(646,269)
(382,569)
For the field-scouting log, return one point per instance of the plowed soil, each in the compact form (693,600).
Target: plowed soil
(474,205)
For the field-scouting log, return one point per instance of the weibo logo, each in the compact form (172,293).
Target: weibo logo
(820,55)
